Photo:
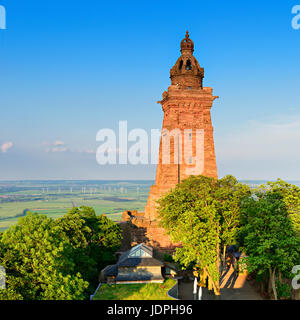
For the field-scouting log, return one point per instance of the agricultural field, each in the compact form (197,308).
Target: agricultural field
(55,198)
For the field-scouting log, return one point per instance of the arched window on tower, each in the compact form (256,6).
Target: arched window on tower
(188,65)
(180,64)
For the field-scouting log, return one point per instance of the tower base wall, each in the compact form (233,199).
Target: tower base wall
(149,232)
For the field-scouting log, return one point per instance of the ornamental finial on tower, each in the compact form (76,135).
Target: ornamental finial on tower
(187,45)
(187,72)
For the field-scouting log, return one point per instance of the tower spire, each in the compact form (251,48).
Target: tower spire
(187,72)
(187,45)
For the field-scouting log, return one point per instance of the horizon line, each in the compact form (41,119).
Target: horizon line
(50,179)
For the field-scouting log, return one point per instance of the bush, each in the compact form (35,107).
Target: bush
(284,291)
(168,258)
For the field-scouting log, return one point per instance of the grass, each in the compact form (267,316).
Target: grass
(140,291)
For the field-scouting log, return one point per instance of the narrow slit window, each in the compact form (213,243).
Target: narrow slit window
(180,65)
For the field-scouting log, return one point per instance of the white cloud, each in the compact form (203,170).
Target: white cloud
(59,149)
(59,143)
(5,146)
(60,146)
(57,146)
(89,151)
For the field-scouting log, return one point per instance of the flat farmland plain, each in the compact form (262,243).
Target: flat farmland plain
(55,198)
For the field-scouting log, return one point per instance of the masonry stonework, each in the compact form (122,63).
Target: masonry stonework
(186,106)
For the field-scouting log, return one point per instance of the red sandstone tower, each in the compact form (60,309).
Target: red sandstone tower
(186,106)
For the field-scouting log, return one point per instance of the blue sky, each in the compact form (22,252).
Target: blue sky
(70,68)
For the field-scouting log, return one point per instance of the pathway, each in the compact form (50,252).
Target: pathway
(233,287)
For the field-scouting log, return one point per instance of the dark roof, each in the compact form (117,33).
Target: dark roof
(138,256)
(140,262)
(111,270)
(138,277)
(170,265)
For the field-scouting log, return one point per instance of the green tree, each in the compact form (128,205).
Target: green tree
(39,262)
(291,197)
(203,214)
(267,237)
(189,215)
(229,195)
(94,240)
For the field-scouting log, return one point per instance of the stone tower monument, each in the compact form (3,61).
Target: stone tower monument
(186,128)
